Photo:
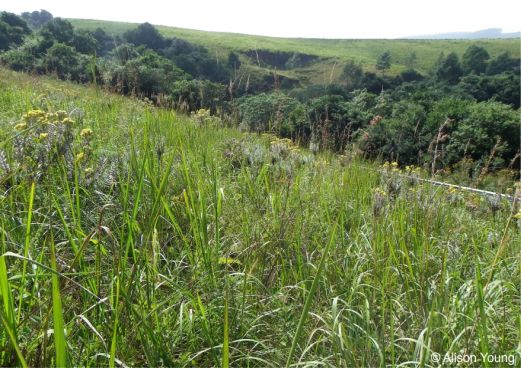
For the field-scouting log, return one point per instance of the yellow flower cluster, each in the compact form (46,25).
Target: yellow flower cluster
(202,113)
(40,117)
(80,156)
(86,133)
(411,169)
(393,166)
(379,191)
(286,143)
(20,126)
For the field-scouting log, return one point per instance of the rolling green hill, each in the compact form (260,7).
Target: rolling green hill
(331,53)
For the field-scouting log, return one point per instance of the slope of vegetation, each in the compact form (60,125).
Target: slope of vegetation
(364,51)
(462,116)
(135,236)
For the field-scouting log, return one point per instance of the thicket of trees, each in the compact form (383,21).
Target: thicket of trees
(465,109)
(140,62)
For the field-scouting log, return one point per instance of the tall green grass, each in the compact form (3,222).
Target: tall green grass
(205,246)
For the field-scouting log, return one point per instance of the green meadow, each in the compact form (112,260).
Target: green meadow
(135,236)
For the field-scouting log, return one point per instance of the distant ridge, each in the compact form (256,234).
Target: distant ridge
(485,33)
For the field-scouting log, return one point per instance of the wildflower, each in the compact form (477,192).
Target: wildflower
(68,121)
(452,189)
(86,133)
(229,261)
(43,136)
(61,114)
(88,170)
(80,156)
(379,191)
(33,114)
(52,116)
(518,215)
(21,126)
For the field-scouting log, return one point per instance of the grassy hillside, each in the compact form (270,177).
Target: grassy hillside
(333,53)
(159,240)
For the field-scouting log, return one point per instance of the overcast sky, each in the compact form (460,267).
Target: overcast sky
(293,18)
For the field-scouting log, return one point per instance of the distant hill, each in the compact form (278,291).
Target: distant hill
(489,33)
(314,61)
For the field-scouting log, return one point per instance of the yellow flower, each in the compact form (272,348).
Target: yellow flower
(51,116)
(379,191)
(518,215)
(43,136)
(67,121)
(229,261)
(89,170)
(20,126)
(80,156)
(34,114)
(61,114)
(86,133)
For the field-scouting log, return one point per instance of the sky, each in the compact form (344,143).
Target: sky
(293,18)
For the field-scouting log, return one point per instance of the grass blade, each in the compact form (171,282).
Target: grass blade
(309,298)
(226,328)
(59,334)
(26,248)
(7,313)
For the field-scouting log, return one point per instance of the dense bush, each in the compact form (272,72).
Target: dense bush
(145,73)
(13,30)
(274,112)
(192,95)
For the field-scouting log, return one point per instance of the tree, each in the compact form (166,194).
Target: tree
(353,75)
(124,53)
(475,60)
(502,63)
(450,69)
(13,30)
(57,31)
(104,42)
(383,62)
(62,60)
(502,87)
(146,34)
(234,62)
(411,75)
(84,42)
(36,19)
(191,95)
(486,124)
